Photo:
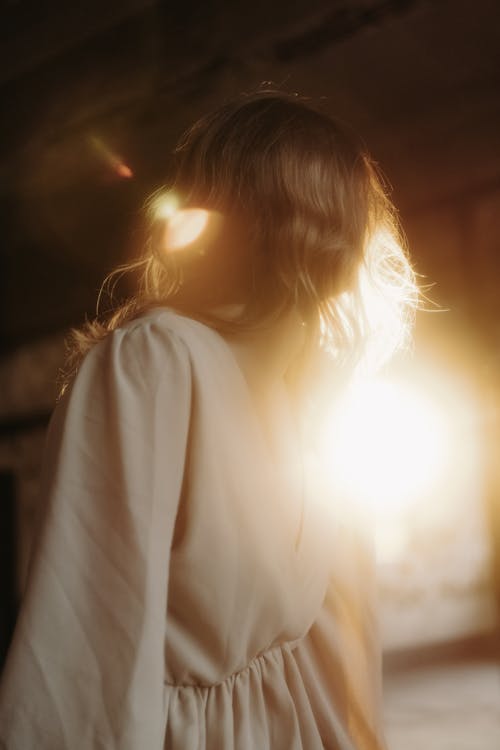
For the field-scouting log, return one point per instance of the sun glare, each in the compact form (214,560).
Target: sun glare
(384,445)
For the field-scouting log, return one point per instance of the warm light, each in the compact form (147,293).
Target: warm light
(164,206)
(385,446)
(184,227)
(109,157)
(388,296)
(122,170)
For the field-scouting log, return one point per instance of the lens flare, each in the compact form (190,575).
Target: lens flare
(182,226)
(164,206)
(185,227)
(110,158)
(123,170)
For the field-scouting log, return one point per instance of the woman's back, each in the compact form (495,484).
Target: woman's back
(247,561)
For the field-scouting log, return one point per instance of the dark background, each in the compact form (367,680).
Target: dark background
(419,80)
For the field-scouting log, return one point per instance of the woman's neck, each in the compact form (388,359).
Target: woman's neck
(267,354)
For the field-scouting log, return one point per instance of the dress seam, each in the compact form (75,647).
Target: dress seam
(284,646)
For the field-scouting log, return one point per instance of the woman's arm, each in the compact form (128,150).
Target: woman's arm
(86,666)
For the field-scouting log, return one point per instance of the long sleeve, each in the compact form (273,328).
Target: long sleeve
(86,666)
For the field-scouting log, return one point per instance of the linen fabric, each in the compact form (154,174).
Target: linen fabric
(186,591)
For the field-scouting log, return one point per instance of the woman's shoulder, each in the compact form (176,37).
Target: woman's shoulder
(165,323)
(141,351)
(136,371)
(159,328)
(173,333)
(161,351)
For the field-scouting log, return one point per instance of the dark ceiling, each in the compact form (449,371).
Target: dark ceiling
(418,79)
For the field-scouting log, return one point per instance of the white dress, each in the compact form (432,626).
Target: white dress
(180,595)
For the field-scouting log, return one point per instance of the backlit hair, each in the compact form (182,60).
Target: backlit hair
(324,235)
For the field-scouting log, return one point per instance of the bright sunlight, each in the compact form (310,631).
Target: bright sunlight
(385,445)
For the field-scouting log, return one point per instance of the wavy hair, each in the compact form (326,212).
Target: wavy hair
(323,234)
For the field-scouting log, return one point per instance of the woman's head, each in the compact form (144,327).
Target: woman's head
(296,183)
(306,218)
(306,224)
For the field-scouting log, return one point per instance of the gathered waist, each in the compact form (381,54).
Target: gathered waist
(270,653)
(264,705)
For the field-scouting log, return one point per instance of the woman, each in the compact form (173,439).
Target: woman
(196,584)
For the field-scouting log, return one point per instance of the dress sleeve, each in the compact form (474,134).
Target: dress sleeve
(86,665)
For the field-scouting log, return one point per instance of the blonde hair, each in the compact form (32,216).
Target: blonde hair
(324,235)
